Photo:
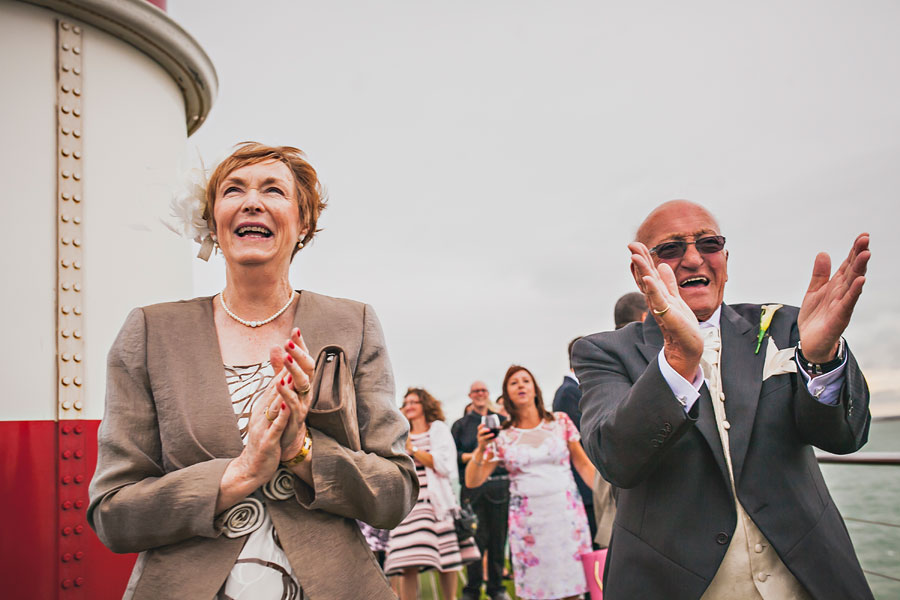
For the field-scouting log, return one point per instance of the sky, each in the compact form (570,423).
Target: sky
(488,162)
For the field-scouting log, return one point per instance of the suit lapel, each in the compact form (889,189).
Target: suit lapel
(216,421)
(311,328)
(706,420)
(741,382)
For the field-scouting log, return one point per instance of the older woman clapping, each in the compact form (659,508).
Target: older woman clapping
(207,465)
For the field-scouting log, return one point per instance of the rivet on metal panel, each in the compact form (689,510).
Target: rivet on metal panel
(66,505)
(64,262)
(65,26)
(65,333)
(64,218)
(76,91)
(64,151)
(66,380)
(77,113)
(77,334)
(79,555)
(79,430)
(77,133)
(65,241)
(77,264)
(67,557)
(79,581)
(77,358)
(76,242)
(66,584)
(76,50)
(67,479)
(77,197)
(76,176)
(65,47)
(65,309)
(66,110)
(67,531)
(77,380)
(66,429)
(77,309)
(65,68)
(79,529)
(77,220)
(66,88)
(77,287)
(66,357)
(66,131)
(79,479)
(76,154)
(67,454)
(66,405)
(65,286)
(79,504)
(77,29)
(79,453)
(66,174)
(77,71)
(78,405)
(66,196)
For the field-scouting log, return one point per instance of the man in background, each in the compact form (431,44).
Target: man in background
(567,399)
(490,501)
(630,308)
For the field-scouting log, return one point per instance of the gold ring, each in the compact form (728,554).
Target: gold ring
(660,313)
(268,418)
(305,389)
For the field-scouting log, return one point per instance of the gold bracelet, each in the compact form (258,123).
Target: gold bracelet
(304,452)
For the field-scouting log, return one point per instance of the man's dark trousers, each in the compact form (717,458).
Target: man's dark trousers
(490,502)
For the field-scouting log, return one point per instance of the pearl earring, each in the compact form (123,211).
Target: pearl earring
(299,243)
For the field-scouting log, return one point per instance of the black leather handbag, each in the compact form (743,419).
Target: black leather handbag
(465,522)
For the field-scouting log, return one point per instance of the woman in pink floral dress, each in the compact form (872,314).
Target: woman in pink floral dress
(548,530)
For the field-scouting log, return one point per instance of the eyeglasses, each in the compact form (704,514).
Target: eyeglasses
(478,391)
(676,249)
(409,403)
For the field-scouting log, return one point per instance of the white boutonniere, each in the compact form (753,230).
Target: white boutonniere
(765,320)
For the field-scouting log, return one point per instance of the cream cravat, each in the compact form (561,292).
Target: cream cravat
(751,569)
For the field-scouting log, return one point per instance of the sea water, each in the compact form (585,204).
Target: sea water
(872,493)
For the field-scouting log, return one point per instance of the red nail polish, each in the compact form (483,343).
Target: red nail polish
(290,359)
(283,406)
(282,381)
(291,345)
(290,379)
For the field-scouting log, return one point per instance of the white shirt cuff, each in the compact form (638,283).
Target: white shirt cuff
(825,388)
(686,392)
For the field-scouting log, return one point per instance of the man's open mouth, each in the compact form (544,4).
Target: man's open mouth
(253,231)
(694,282)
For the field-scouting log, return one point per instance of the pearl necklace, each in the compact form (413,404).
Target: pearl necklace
(256,323)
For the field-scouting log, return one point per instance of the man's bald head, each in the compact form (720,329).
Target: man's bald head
(663,212)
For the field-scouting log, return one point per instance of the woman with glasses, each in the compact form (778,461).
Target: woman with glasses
(548,529)
(426,539)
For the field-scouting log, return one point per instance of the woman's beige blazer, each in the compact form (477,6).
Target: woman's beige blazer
(169,430)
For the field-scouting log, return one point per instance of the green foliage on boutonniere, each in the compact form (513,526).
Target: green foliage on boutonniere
(765,319)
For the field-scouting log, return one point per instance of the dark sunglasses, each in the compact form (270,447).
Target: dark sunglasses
(676,249)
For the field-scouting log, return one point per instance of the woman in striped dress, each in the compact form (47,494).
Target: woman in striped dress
(426,539)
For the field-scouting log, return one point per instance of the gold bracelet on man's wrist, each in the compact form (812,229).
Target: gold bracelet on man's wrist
(304,452)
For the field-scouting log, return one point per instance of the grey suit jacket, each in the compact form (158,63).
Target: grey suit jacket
(169,431)
(676,512)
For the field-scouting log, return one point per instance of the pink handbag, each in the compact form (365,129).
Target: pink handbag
(593,563)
